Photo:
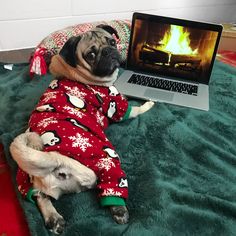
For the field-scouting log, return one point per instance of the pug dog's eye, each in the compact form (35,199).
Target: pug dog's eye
(112,42)
(91,56)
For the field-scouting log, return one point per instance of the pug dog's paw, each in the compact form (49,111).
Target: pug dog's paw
(120,214)
(135,111)
(146,106)
(55,223)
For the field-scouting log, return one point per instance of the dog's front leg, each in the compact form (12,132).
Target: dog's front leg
(135,111)
(53,220)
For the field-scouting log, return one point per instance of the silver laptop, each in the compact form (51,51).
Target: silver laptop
(170,60)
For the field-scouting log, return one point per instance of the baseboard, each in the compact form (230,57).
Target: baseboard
(16,56)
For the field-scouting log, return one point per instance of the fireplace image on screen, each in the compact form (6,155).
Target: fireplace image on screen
(173,49)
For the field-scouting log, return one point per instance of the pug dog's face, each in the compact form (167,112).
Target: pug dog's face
(95,50)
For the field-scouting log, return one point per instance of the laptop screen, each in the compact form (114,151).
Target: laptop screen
(173,47)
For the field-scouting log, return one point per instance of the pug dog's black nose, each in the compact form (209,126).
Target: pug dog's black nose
(106,51)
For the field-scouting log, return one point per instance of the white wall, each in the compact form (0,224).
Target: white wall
(24,23)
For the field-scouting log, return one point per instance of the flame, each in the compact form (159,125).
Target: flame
(177,41)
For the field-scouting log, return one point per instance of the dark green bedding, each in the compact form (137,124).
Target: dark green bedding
(180,163)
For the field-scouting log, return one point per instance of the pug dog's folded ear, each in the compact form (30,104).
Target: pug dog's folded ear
(68,51)
(109,29)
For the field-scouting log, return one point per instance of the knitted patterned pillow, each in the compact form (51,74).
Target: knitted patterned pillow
(52,44)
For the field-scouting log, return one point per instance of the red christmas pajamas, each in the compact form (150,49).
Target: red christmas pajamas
(71,118)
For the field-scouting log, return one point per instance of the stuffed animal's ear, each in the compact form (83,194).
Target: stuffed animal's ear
(109,29)
(68,51)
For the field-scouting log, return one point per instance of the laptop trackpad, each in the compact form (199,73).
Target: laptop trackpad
(156,95)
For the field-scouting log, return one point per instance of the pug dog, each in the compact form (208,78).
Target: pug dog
(65,149)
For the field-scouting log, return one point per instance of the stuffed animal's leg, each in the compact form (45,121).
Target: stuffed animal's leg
(53,220)
(135,111)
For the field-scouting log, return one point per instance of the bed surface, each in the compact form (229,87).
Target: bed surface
(180,163)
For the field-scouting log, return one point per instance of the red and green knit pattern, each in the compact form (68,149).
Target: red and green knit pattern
(52,44)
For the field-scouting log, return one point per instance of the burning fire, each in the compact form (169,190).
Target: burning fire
(177,41)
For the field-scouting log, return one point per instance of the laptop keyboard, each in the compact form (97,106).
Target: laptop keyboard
(159,83)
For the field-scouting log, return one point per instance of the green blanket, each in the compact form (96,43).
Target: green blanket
(180,163)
